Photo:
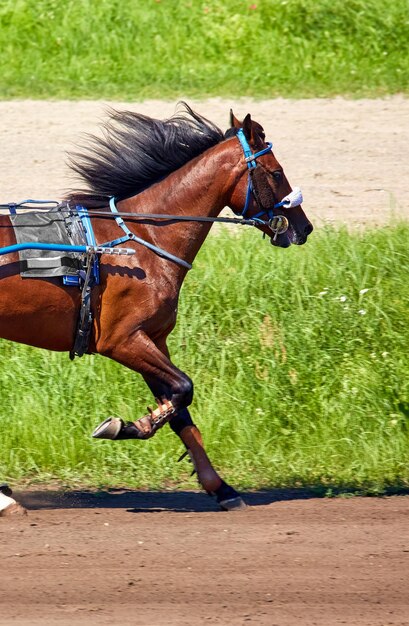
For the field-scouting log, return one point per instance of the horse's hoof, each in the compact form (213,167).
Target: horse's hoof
(228,499)
(233,504)
(13,509)
(108,429)
(115,428)
(6,490)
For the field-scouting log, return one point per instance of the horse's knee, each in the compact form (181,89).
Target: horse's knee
(182,393)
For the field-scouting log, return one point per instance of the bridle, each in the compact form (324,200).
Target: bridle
(277,223)
(251,160)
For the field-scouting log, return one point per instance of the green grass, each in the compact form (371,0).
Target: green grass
(299,358)
(171,48)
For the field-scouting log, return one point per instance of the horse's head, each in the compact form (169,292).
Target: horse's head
(264,192)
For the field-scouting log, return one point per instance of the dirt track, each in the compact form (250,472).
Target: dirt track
(170,559)
(349,157)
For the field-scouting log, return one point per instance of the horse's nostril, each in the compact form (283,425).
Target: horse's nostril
(308,229)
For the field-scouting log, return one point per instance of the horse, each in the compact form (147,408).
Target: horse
(163,183)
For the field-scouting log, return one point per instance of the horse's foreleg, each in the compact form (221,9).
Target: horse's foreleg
(182,425)
(174,391)
(226,496)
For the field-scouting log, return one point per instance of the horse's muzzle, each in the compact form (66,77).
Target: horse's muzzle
(291,235)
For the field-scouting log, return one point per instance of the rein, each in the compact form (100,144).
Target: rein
(171,218)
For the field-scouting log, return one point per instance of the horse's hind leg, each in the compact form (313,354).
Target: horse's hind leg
(8,506)
(142,355)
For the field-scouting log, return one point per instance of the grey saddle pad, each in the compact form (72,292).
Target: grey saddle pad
(55,226)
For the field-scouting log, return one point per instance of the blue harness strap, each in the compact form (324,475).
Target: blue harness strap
(91,241)
(12,206)
(129,236)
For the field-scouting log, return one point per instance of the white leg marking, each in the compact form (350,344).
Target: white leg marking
(5,501)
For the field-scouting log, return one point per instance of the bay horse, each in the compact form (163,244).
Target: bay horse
(182,168)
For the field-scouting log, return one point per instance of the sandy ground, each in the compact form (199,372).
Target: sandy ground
(171,559)
(349,157)
(142,559)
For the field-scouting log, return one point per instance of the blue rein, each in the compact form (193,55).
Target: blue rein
(251,160)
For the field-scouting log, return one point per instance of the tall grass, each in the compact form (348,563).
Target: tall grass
(299,358)
(168,48)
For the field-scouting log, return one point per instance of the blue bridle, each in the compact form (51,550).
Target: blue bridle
(251,160)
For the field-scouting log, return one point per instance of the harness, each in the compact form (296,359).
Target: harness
(89,276)
(82,246)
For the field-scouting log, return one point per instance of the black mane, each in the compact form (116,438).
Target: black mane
(137,151)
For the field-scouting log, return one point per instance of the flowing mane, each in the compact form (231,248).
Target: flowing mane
(136,151)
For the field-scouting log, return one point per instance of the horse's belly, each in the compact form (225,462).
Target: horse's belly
(39,313)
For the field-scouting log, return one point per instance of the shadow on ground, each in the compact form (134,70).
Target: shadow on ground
(148,501)
(175,501)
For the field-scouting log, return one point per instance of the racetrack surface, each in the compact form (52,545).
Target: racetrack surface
(350,157)
(169,559)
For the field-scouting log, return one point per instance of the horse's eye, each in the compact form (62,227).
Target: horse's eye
(277,175)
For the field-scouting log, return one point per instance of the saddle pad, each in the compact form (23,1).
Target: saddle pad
(55,226)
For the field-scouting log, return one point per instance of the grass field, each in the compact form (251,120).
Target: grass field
(168,49)
(299,358)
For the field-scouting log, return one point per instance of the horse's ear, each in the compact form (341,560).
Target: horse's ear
(247,127)
(234,122)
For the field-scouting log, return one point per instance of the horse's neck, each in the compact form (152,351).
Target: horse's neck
(201,188)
